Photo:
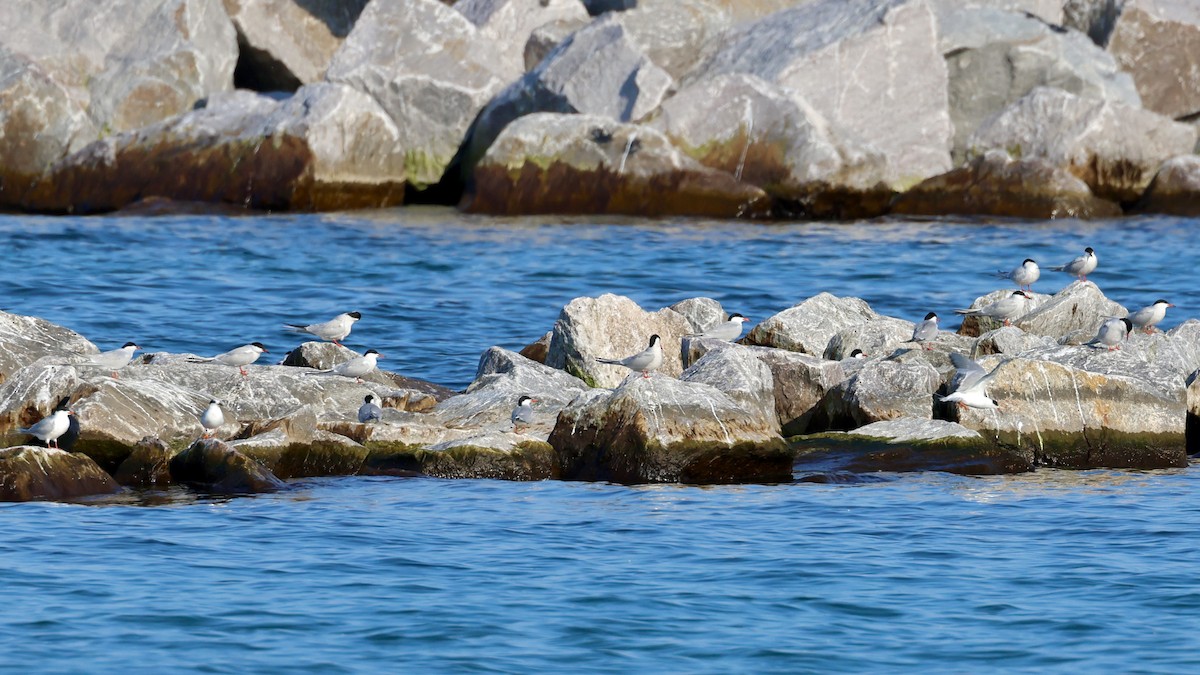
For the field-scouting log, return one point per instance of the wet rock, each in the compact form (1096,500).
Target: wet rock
(509,24)
(612,326)
(662,430)
(284,44)
(1175,188)
(149,465)
(1157,43)
(502,379)
(883,389)
(769,137)
(809,326)
(872,69)
(297,449)
(743,377)
(1113,147)
(216,466)
(1079,306)
(28,473)
(551,163)
(495,455)
(537,351)
(994,184)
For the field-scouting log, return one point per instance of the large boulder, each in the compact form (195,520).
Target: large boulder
(28,473)
(431,71)
(510,23)
(883,389)
(743,377)
(809,326)
(502,379)
(1175,188)
(25,339)
(1157,42)
(662,430)
(801,382)
(326,147)
(553,163)
(284,44)
(676,34)
(148,466)
(974,326)
(767,136)
(873,69)
(492,454)
(215,466)
(1113,147)
(1094,18)
(1081,306)
(612,326)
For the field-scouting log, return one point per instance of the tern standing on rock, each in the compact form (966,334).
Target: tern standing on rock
(726,330)
(1112,332)
(1005,309)
(212,418)
(1081,266)
(369,410)
(113,360)
(51,427)
(522,415)
(238,357)
(1147,318)
(357,367)
(1023,276)
(926,331)
(646,360)
(334,330)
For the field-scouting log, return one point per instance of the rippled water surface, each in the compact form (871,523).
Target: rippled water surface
(1051,571)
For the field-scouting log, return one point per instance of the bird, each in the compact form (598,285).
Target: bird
(357,367)
(334,330)
(67,440)
(646,360)
(926,331)
(114,359)
(51,427)
(1148,317)
(369,410)
(239,357)
(969,385)
(1111,333)
(1081,266)
(1005,309)
(522,415)
(212,418)
(1023,276)
(726,330)
(857,354)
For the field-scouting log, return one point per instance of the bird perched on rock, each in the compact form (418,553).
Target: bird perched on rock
(51,427)
(238,357)
(369,410)
(1023,276)
(334,330)
(857,354)
(212,418)
(1004,309)
(1081,266)
(1147,318)
(969,385)
(522,415)
(726,330)
(926,331)
(646,360)
(1112,332)
(114,359)
(357,367)
(67,440)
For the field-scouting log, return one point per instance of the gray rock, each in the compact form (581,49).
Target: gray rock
(882,389)
(915,429)
(767,136)
(801,382)
(1095,18)
(544,39)
(25,339)
(149,465)
(502,379)
(1009,340)
(873,69)
(1175,188)
(40,122)
(296,448)
(1157,42)
(612,326)
(554,163)
(215,466)
(743,377)
(676,34)
(1079,306)
(974,326)
(809,326)
(28,473)
(495,455)
(662,430)
(875,337)
(1114,148)
(509,24)
(284,43)
(701,313)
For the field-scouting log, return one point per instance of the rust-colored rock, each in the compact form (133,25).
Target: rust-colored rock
(28,473)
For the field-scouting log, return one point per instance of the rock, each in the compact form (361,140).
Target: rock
(598,70)
(883,389)
(284,44)
(875,337)
(149,465)
(872,69)
(550,163)
(1095,18)
(801,382)
(409,393)
(662,430)
(701,313)
(297,449)
(612,326)
(1009,340)
(974,326)
(676,34)
(995,57)
(495,455)
(771,138)
(537,351)
(1079,306)
(509,24)
(430,70)
(544,38)
(994,184)
(809,326)
(1156,42)
(28,473)
(215,466)
(739,374)
(327,147)
(25,339)
(1175,188)
(1112,147)
(504,377)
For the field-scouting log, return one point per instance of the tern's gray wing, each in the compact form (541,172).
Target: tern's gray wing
(42,427)
(1140,317)
(726,330)
(968,373)
(369,411)
(522,414)
(924,331)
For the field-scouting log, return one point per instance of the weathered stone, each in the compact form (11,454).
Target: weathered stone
(149,465)
(1095,18)
(662,430)
(974,326)
(1175,188)
(598,70)
(25,339)
(537,351)
(701,313)
(1079,306)
(1009,340)
(995,57)
(766,136)
(872,69)
(612,326)
(502,379)
(552,163)
(216,466)
(509,23)
(543,39)
(994,184)
(297,449)
(676,34)
(801,382)
(883,389)
(28,473)
(809,326)
(409,394)
(1114,148)
(495,455)
(875,337)
(743,377)
(1158,42)
(284,44)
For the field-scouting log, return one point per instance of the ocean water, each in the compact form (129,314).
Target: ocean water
(1046,572)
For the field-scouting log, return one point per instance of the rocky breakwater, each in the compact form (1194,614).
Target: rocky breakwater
(816,109)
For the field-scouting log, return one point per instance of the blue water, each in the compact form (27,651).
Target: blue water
(1051,571)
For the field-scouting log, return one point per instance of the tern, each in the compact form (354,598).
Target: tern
(1081,266)
(1147,318)
(369,410)
(926,331)
(114,359)
(51,427)
(357,367)
(522,415)
(238,357)
(646,360)
(1005,309)
(1111,333)
(726,330)
(334,330)
(212,418)
(970,384)
(1023,276)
